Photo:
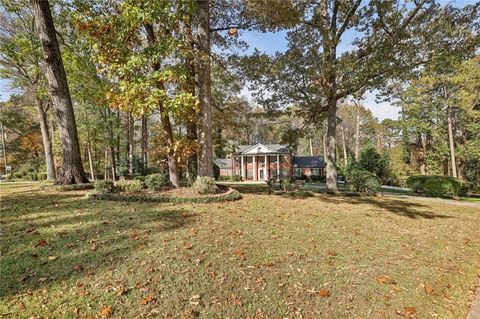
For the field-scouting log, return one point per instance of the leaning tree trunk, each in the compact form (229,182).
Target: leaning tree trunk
(205,160)
(451,144)
(344,143)
(72,167)
(46,139)
(331,145)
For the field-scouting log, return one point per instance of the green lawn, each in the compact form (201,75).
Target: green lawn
(275,256)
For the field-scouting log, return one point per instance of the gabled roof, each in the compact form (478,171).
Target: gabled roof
(224,163)
(272,148)
(308,162)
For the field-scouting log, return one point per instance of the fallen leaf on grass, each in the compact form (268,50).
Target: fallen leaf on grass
(42,279)
(385,280)
(237,301)
(78,267)
(41,243)
(428,289)
(410,311)
(240,254)
(324,293)
(106,311)
(194,300)
(148,299)
(187,246)
(52,257)
(93,247)
(121,291)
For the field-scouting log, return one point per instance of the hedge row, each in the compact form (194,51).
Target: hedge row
(231,195)
(437,185)
(66,188)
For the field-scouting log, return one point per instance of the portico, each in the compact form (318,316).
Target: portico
(262,162)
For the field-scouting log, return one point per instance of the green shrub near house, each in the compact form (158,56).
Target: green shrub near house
(361,180)
(437,185)
(205,185)
(41,176)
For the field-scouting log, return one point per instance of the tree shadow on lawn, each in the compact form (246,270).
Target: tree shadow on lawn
(396,206)
(74,237)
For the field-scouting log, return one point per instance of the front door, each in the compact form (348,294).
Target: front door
(261,174)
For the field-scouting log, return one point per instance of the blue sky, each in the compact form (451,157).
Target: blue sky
(273,42)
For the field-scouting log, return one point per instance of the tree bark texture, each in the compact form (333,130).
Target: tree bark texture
(451,143)
(144,142)
(72,167)
(205,159)
(46,138)
(357,132)
(344,143)
(331,145)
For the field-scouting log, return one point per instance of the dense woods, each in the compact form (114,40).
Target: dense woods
(106,90)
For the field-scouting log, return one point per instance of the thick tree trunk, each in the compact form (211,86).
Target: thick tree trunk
(129,149)
(105,165)
(421,155)
(331,143)
(144,142)
(451,144)
(205,160)
(46,139)
(72,167)
(324,142)
(357,132)
(310,145)
(113,163)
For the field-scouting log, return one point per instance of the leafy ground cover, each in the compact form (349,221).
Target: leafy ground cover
(315,256)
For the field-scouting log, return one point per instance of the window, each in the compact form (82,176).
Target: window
(315,172)
(298,172)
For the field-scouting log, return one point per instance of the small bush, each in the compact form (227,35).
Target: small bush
(128,186)
(437,186)
(103,186)
(18,174)
(234,178)
(205,185)
(41,176)
(155,182)
(360,180)
(31,176)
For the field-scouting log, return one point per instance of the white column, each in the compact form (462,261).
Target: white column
(278,166)
(265,170)
(242,173)
(255,169)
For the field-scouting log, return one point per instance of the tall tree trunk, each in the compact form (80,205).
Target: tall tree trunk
(331,143)
(344,142)
(90,160)
(165,119)
(46,139)
(310,145)
(144,142)
(113,162)
(192,162)
(205,160)
(451,143)
(4,148)
(421,154)
(130,142)
(357,132)
(105,164)
(324,142)
(72,167)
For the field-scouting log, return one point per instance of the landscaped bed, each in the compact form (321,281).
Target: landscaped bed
(265,256)
(172,195)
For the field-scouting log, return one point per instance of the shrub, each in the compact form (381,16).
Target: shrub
(31,176)
(18,174)
(103,186)
(156,182)
(41,176)
(128,186)
(437,186)
(233,178)
(360,180)
(205,185)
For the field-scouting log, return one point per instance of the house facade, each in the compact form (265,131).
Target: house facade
(263,162)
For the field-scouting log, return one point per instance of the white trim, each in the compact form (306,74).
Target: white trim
(255,168)
(265,173)
(242,173)
(259,145)
(278,166)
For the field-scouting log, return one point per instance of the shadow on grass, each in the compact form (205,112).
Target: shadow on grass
(396,206)
(52,237)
